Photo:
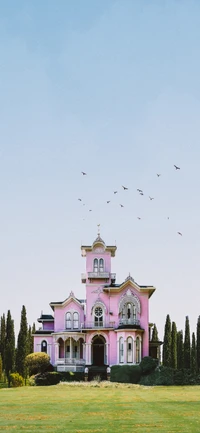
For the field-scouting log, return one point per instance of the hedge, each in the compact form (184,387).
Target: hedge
(125,373)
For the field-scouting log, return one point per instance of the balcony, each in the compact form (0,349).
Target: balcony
(129,323)
(98,325)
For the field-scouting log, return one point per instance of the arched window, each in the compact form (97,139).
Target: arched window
(101,265)
(128,315)
(95,267)
(75,321)
(121,350)
(68,321)
(44,346)
(98,316)
(138,354)
(130,350)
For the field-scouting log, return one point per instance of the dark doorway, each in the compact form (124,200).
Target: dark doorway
(98,346)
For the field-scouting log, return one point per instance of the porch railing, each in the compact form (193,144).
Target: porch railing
(70,361)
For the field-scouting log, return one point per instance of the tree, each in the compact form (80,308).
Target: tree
(180,352)
(174,346)
(1,368)
(37,362)
(167,343)
(22,344)
(154,334)
(187,344)
(3,340)
(198,344)
(30,338)
(10,347)
(193,354)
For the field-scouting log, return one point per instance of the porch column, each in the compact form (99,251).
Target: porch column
(71,348)
(56,352)
(89,353)
(106,360)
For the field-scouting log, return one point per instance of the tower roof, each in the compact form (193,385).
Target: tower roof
(98,242)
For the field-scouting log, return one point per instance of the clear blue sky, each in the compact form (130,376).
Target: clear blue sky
(111,88)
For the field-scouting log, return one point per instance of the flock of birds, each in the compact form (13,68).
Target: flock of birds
(140,191)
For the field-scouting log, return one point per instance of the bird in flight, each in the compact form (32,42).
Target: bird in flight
(151,198)
(83,173)
(176,167)
(121,205)
(115,192)
(158,174)
(79,199)
(179,233)
(124,187)
(139,190)
(141,193)
(139,218)
(108,201)
(90,210)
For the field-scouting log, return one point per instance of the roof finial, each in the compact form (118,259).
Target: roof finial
(98,233)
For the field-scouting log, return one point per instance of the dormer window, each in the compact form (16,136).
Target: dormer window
(96,265)
(101,265)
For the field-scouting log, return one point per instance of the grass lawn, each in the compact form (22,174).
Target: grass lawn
(104,407)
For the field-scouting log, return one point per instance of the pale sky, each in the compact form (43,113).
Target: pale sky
(112,88)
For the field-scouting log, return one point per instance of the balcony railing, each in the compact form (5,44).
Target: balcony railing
(97,325)
(129,322)
(98,275)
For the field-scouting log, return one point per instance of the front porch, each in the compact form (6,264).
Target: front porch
(69,352)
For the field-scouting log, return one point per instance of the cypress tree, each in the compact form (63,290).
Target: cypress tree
(187,344)
(1,368)
(193,354)
(154,334)
(167,343)
(22,344)
(198,344)
(3,340)
(180,352)
(10,347)
(174,346)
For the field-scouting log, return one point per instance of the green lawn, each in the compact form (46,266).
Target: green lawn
(106,407)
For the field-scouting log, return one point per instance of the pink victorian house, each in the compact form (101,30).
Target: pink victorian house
(109,327)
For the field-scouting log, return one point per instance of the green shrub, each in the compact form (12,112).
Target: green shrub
(37,362)
(48,378)
(148,364)
(72,376)
(31,381)
(160,376)
(16,380)
(125,373)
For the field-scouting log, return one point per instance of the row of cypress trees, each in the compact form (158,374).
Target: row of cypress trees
(181,351)
(12,359)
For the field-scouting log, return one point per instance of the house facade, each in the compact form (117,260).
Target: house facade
(110,326)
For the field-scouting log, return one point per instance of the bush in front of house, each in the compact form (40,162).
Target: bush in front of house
(148,364)
(47,379)
(37,362)
(16,380)
(160,376)
(125,373)
(72,376)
